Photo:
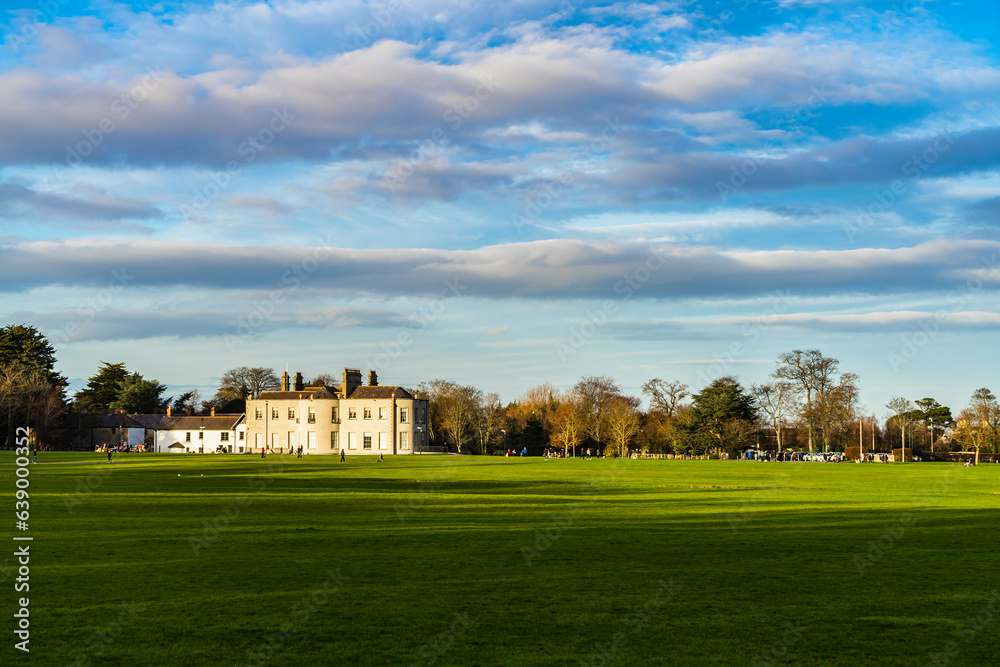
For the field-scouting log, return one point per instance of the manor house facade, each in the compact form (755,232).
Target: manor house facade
(355,418)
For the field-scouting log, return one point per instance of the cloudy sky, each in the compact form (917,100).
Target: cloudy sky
(504,194)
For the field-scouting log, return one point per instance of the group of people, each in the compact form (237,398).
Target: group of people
(511,452)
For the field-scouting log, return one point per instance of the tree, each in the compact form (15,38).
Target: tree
(189,399)
(838,407)
(453,408)
(138,395)
(977,424)
(568,423)
(776,400)
(489,422)
(722,413)
(25,345)
(623,421)
(596,393)
(326,380)
(239,383)
(812,373)
(29,399)
(664,397)
(102,388)
(901,407)
(933,415)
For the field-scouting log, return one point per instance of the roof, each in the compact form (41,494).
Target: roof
(308,392)
(147,421)
(196,422)
(380,392)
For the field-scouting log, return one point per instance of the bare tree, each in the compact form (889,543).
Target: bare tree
(453,407)
(623,421)
(901,408)
(977,424)
(489,420)
(243,382)
(596,393)
(664,397)
(568,423)
(812,373)
(776,400)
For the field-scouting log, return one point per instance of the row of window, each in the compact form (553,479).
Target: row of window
(352,413)
(223,437)
(367,440)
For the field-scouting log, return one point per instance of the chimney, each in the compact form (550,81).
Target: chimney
(168,410)
(285,382)
(372,379)
(213,411)
(190,411)
(299,382)
(352,380)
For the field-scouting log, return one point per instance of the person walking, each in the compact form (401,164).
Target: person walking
(342,458)
(262,451)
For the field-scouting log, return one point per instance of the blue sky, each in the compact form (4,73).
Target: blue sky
(506,194)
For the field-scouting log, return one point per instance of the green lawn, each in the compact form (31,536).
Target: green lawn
(461,560)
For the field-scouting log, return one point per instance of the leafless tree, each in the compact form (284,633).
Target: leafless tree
(812,374)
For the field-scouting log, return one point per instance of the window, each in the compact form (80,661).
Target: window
(241,436)
(274,413)
(274,441)
(333,440)
(241,450)
(404,443)
(291,439)
(368,441)
(311,440)
(403,415)
(291,413)
(258,414)
(381,413)
(383,441)
(224,436)
(333,416)
(187,436)
(201,435)
(368,413)
(352,413)
(311,418)
(352,440)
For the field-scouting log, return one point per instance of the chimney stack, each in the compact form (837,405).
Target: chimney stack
(168,410)
(285,382)
(190,411)
(352,380)
(299,382)
(372,379)
(213,411)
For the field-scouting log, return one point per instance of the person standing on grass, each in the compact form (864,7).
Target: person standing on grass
(262,451)
(342,458)
(109,456)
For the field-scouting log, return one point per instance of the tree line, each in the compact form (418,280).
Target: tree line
(807,404)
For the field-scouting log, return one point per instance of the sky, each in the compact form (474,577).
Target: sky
(506,194)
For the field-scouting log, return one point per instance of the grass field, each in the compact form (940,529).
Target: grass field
(234,560)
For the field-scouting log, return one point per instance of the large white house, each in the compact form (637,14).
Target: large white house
(353,418)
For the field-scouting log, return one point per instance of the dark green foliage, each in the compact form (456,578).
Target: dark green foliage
(722,416)
(139,395)
(24,344)
(102,387)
